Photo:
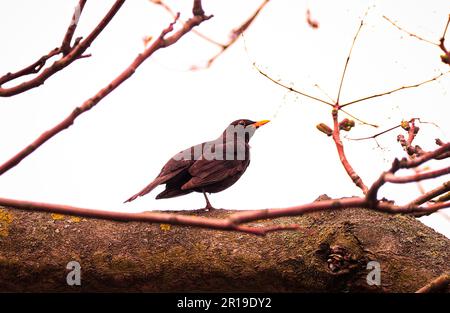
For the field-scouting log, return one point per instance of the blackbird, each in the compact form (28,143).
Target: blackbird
(208,167)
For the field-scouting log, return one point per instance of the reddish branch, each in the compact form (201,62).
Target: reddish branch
(236,33)
(343,158)
(223,46)
(445,187)
(436,285)
(406,164)
(337,126)
(161,42)
(417,177)
(348,124)
(314,24)
(70,54)
(239,221)
(174,14)
(66,43)
(443,155)
(406,143)
(446,57)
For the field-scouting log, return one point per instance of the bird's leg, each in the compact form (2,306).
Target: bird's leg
(208,206)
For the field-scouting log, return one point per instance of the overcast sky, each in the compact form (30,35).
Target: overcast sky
(114,150)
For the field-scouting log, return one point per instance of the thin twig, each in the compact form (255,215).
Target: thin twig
(358,119)
(235,34)
(347,61)
(444,58)
(291,88)
(395,90)
(376,135)
(409,33)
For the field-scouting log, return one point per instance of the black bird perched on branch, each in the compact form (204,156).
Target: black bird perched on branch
(210,167)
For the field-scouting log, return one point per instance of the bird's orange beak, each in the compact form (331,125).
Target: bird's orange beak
(260,123)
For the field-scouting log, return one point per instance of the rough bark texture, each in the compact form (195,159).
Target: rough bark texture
(116,256)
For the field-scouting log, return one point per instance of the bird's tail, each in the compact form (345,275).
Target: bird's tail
(145,191)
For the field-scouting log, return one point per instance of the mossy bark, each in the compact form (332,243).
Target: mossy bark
(328,254)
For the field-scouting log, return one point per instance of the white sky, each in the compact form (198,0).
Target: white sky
(114,150)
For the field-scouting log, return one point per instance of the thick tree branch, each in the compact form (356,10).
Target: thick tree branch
(69,55)
(436,285)
(149,217)
(161,42)
(329,254)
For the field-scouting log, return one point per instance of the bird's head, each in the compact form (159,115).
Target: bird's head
(246,123)
(242,128)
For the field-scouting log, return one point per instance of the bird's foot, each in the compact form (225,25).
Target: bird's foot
(207,208)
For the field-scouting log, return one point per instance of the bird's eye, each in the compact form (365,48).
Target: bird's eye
(242,123)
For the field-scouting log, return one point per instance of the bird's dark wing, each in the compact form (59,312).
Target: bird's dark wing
(207,172)
(175,166)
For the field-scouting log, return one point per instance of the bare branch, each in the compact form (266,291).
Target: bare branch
(197,9)
(66,43)
(159,43)
(343,158)
(409,33)
(395,90)
(371,195)
(69,56)
(348,59)
(358,119)
(194,31)
(314,24)
(444,58)
(417,177)
(445,187)
(291,88)
(376,135)
(442,41)
(235,34)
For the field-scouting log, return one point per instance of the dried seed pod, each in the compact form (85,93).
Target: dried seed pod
(324,129)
